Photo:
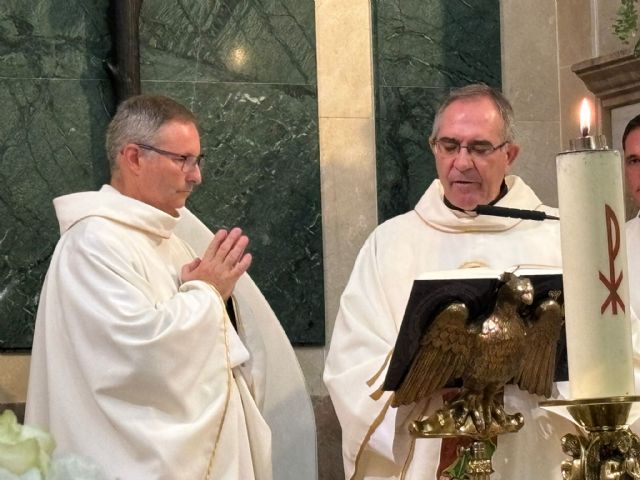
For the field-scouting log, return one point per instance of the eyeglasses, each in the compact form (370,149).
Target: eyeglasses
(449,147)
(189,162)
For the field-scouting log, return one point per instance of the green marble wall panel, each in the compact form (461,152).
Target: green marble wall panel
(265,176)
(271,41)
(53,38)
(259,129)
(422,49)
(51,131)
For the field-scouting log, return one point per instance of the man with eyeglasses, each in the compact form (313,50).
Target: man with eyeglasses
(474,146)
(141,360)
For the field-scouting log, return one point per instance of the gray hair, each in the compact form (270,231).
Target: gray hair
(480,90)
(138,119)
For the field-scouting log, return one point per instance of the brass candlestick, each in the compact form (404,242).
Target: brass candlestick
(608,450)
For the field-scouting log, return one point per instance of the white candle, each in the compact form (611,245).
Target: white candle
(590,193)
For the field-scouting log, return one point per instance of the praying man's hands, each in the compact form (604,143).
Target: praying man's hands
(222,263)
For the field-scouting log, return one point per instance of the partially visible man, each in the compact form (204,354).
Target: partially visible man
(139,360)
(474,146)
(631,151)
(631,147)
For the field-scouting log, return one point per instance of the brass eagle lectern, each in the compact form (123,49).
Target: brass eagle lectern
(509,340)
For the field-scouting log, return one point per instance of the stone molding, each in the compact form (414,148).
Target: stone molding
(613,78)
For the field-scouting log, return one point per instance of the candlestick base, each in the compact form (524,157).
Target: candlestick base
(608,450)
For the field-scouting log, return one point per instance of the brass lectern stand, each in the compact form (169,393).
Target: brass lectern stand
(474,462)
(479,334)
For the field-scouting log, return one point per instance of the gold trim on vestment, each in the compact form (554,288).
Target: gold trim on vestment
(226,320)
(373,379)
(376,423)
(379,391)
(412,447)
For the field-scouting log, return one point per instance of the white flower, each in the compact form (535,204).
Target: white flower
(22,447)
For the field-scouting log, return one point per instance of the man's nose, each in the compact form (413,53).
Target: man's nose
(194,175)
(463,160)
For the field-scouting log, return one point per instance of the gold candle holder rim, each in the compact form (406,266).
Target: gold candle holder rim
(591,401)
(598,414)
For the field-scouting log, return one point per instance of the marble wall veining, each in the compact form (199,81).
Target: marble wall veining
(248,71)
(422,49)
(262,143)
(53,39)
(55,99)
(47,131)
(242,41)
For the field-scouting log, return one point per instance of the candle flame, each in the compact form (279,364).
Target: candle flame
(585,117)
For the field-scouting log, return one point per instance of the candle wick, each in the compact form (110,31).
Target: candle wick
(585,132)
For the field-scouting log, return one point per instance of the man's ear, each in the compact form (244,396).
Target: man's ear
(130,158)
(512,153)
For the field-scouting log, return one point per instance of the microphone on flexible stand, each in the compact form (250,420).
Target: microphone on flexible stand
(513,213)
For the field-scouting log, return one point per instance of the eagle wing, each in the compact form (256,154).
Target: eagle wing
(538,366)
(444,351)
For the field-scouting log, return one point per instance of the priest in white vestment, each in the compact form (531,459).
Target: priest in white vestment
(147,357)
(631,151)
(473,143)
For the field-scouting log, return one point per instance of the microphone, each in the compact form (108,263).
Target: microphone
(513,213)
